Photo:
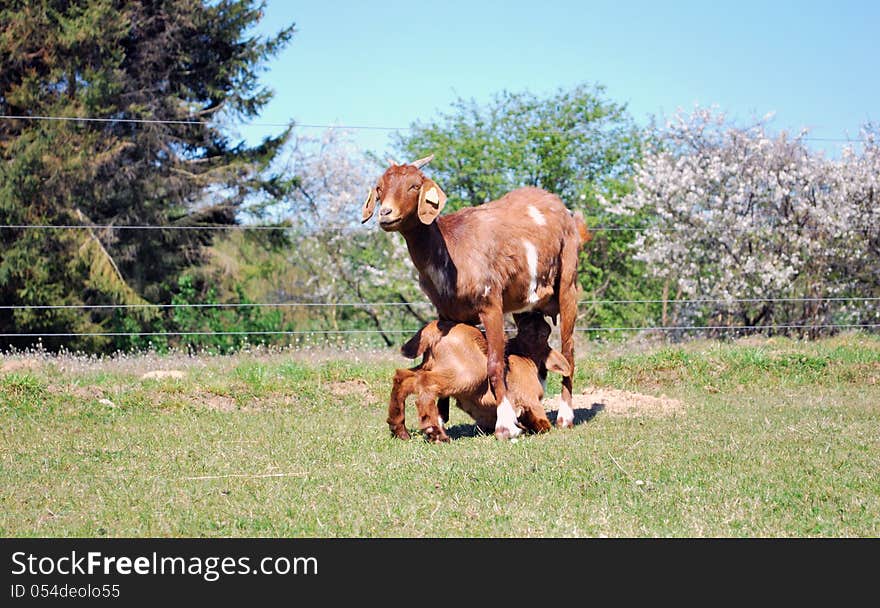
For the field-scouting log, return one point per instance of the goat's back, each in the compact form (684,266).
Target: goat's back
(457,352)
(513,245)
(453,350)
(523,212)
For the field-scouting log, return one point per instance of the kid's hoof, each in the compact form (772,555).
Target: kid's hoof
(504,433)
(400,433)
(436,434)
(542,426)
(564,423)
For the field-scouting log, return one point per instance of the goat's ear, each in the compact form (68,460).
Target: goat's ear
(557,363)
(369,206)
(431,201)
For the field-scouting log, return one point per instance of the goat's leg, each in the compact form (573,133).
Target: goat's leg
(404,379)
(535,418)
(567,316)
(505,423)
(443,409)
(429,418)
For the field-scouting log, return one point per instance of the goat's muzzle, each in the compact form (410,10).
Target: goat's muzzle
(386,221)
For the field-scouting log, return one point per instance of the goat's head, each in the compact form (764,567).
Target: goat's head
(405,197)
(532,340)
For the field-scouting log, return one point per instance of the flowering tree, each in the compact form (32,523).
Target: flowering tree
(752,230)
(335,259)
(859,186)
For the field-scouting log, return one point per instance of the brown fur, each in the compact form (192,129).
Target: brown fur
(454,357)
(473,264)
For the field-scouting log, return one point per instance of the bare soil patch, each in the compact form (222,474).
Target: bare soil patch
(18,365)
(226,404)
(219,403)
(616,402)
(344,388)
(86,392)
(163,373)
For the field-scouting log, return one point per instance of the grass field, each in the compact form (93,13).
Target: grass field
(773,438)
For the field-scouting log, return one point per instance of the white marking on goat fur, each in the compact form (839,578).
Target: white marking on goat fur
(440,420)
(537,216)
(507,418)
(565,414)
(487,291)
(532,262)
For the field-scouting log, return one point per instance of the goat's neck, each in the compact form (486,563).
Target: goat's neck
(428,248)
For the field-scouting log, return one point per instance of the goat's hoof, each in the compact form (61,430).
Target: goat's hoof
(542,426)
(564,423)
(400,433)
(504,433)
(435,434)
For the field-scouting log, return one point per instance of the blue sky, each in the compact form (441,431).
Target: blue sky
(814,64)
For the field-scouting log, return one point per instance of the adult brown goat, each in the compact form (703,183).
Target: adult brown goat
(516,254)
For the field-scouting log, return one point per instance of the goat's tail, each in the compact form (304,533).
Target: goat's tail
(425,338)
(584,233)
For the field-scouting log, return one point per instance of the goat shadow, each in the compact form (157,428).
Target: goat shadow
(581,415)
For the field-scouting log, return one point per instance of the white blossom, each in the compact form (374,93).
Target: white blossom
(741,214)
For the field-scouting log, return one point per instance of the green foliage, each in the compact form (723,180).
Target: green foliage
(329,281)
(576,144)
(608,273)
(194,325)
(571,143)
(330,273)
(185,60)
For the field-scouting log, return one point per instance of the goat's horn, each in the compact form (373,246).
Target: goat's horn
(423,161)
(391,162)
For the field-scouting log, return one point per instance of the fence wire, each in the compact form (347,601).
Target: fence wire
(415,329)
(408,304)
(245,227)
(248,227)
(294,124)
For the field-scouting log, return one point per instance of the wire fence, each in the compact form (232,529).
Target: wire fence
(845,321)
(414,303)
(353,127)
(864,300)
(415,329)
(261,227)
(856,319)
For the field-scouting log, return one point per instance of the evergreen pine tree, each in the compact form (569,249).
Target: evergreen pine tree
(192,61)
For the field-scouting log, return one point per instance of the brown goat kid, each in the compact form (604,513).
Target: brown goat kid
(516,254)
(454,358)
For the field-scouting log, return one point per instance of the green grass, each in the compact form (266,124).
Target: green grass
(777,438)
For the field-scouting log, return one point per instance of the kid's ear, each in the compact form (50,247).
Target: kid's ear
(369,206)
(557,363)
(431,201)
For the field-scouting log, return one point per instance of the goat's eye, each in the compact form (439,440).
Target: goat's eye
(415,187)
